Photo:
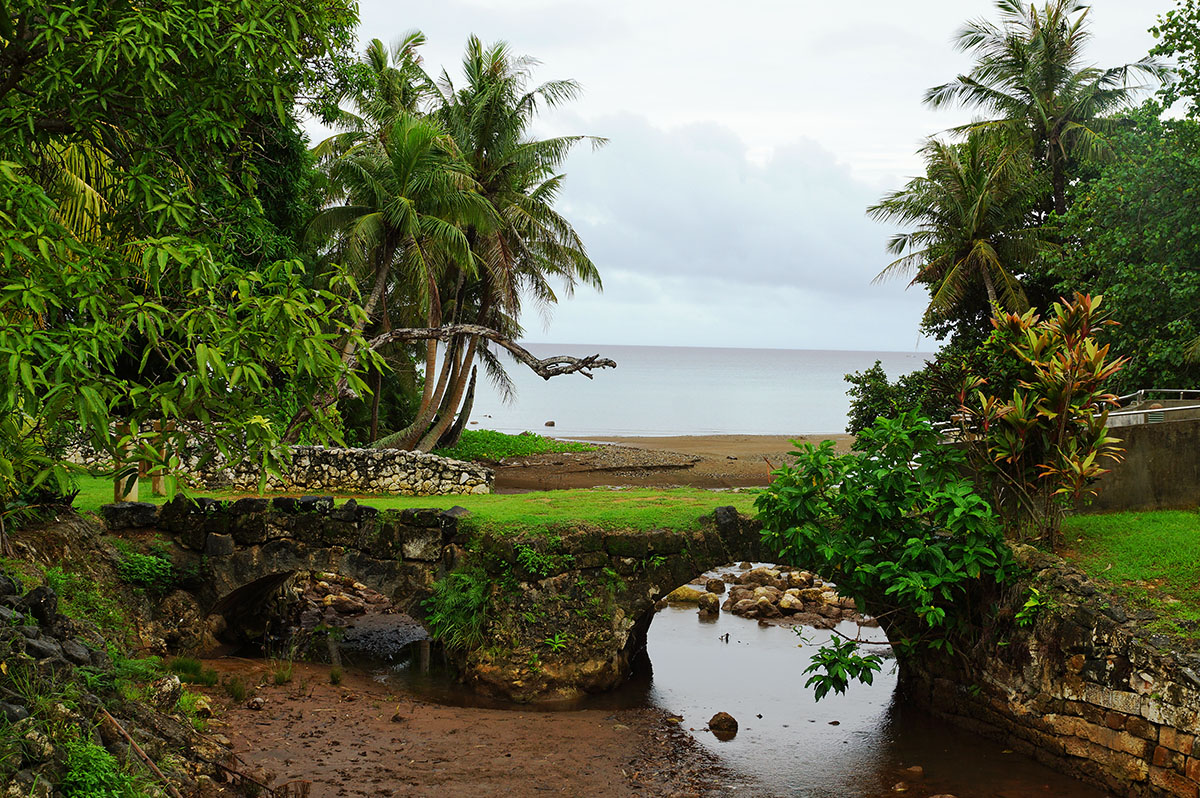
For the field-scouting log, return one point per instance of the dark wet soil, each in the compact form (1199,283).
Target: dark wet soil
(361,738)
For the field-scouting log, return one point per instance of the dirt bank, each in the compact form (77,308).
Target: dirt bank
(360,738)
(701,461)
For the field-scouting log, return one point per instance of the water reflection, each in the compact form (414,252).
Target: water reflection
(857,745)
(849,746)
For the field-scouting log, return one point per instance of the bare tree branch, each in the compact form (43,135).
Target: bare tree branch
(544,367)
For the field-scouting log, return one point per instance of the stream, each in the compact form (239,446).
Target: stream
(856,745)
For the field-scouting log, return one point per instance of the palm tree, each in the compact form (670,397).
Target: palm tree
(405,198)
(1029,75)
(527,245)
(508,241)
(971,210)
(520,176)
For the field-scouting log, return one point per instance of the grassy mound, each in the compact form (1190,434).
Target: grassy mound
(1149,557)
(486,444)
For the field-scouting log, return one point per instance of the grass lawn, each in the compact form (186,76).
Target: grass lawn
(1152,558)
(641,508)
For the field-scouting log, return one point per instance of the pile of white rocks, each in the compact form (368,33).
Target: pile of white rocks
(779,595)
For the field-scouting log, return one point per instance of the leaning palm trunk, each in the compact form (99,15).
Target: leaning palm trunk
(459,384)
(454,434)
(430,402)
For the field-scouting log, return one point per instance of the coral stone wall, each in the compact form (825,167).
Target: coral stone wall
(328,470)
(1086,689)
(316,468)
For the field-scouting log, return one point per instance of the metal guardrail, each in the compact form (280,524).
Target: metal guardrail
(1146,410)
(1167,393)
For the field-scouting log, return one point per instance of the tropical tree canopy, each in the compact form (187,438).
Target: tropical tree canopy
(463,160)
(971,212)
(142,278)
(1031,80)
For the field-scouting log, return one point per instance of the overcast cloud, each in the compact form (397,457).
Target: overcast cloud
(746,142)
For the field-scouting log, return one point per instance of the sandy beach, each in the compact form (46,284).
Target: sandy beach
(701,461)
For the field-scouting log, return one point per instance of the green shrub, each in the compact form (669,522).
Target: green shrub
(188,703)
(459,607)
(282,673)
(192,671)
(335,675)
(486,444)
(149,571)
(93,772)
(900,529)
(236,688)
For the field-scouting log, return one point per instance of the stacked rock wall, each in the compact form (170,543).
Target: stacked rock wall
(326,469)
(1084,688)
(317,468)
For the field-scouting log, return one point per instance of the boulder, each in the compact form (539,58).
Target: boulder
(715,586)
(723,725)
(164,693)
(766,609)
(76,652)
(759,576)
(9,585)
(44,648)
(746,608)
(789,604)
(770,593)
(799,579)
(738,593)
(709,604)
(41,603)
(684,595)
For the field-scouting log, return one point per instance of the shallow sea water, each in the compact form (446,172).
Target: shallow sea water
(660,390)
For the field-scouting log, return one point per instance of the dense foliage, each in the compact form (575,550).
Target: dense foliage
(141,278)
(898,527)
(1042,447)
(984,217)
(1134,236)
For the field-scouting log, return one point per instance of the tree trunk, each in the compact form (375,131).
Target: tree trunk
(375,404)
(407,437)
(991,289)
(439,429)
(545,368)
(454,434)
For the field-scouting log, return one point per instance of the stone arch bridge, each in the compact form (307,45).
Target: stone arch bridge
(567,611)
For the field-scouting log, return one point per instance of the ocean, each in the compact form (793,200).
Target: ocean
(668,390)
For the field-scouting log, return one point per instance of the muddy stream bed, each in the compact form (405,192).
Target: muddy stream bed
(404,728)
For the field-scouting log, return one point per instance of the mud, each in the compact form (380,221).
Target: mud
(360,738)
(701,461)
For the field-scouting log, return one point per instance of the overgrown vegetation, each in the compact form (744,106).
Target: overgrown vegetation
(92,772)
(901,529)
(488,445)
(150,571)
(459,608)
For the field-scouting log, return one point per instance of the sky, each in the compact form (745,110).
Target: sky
(745,143)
